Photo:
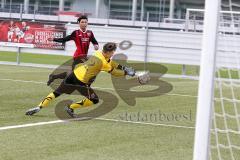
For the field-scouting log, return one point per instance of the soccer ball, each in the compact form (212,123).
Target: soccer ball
(143,77)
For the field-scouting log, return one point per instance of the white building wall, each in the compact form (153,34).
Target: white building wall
(163,46)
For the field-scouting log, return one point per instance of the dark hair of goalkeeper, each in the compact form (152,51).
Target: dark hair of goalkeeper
(109,47)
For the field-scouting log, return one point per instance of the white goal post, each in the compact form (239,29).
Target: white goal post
(217,133)
(206,81)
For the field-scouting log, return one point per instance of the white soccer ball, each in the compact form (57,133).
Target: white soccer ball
(143,77)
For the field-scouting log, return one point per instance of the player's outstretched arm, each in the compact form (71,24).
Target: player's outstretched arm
(119,70)
(94,42)
(62,40)
(122,71)
(143,77)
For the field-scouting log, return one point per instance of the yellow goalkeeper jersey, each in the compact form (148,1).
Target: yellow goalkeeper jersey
(86,72)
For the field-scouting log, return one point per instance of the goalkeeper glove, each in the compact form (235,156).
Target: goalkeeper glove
(129,71)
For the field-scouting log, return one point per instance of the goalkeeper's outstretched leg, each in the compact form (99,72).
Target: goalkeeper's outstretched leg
(68,86)
(44,103)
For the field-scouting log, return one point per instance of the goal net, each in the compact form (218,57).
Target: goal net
(224,108)
(225,134)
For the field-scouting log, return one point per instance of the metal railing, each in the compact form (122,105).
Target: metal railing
(195,17)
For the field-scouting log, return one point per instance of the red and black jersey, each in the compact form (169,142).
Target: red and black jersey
(82,41)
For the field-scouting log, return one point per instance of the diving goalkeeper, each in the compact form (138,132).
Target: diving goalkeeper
(82,76)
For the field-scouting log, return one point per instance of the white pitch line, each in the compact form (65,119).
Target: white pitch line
(146,123)
(38,82)
(101,119)
(24,81)
(30,125)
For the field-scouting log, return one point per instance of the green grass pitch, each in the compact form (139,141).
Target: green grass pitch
(93,139)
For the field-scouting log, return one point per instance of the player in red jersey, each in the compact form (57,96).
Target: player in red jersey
(82,38)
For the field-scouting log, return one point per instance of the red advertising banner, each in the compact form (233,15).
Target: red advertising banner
(34,33)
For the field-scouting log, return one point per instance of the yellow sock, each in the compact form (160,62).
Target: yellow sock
(83,103)
(47,100)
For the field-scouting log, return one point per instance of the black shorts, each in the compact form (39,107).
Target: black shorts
(71,84)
